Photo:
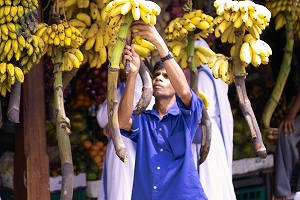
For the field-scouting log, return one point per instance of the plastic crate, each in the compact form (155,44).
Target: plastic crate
(251,193)
(78,194)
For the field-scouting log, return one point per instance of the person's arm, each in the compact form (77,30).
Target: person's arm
(126,103)
(174,71)
(287,125)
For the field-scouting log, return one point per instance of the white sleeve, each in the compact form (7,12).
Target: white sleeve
(102,112)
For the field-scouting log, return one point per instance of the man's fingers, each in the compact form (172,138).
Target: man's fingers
(133,51)
(127,47)
(127,57)
(127,52)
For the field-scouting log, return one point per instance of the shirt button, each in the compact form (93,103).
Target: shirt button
(159,129)
(158,168)
(154,187)
(161,150)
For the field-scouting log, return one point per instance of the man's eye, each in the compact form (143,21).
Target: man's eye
(165,76)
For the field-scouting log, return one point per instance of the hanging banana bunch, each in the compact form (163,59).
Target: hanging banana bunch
(194,21)
(241,23)
(286,14)
(65,38)
(132,10)
(85,15)
(20,48)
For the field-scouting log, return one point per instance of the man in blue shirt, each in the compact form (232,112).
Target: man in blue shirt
(164,167)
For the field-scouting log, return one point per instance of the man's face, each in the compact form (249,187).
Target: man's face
(162,86)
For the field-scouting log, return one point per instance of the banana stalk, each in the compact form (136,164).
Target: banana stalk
(205,122)
(285,69)
(68,76)
(147,90)
(112,99)
(13,112)
(62,132)
(245,105)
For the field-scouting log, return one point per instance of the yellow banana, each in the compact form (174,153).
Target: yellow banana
(126,7)
(136,12)
(84,18)
(245,53)
(19,74)
(142,51)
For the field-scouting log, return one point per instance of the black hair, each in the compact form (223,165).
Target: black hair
(158,65)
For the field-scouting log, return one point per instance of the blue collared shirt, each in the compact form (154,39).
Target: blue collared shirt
(164,166)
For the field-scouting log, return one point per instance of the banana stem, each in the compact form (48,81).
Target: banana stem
(13,112)
(245,104)
(191,64)
(62,132)
(146,96)
(285,69)
(67,77)
(112,99)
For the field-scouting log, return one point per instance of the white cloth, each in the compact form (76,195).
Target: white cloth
(216,170)
(119,176)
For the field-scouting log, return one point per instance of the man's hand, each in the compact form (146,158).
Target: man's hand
(287,125)
(134,59)
(147,31)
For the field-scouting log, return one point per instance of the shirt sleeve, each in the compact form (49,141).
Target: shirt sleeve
(194,112)
(135,128)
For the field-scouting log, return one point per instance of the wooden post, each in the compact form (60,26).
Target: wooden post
(31,179)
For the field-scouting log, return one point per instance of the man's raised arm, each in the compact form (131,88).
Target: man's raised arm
(174,71)
(126,103)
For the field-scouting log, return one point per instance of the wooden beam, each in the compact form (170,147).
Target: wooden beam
(31,159)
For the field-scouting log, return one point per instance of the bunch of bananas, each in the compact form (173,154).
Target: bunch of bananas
(179,50)
(18,11)
(62,35)
(20,48)
(253,51)
(141,9)
(85,15)
(190,22)
(142,47)
(11,73)
(234,15)
(221,68)
(281,8)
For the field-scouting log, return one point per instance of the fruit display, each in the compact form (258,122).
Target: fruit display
(20,47)
(96,152)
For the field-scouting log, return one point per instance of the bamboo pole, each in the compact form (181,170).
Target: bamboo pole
(112,98)
(285,69)
(245,104)
(62,132)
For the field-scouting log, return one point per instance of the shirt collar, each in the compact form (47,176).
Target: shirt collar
(173,110)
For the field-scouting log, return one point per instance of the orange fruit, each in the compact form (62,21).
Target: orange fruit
(87,144)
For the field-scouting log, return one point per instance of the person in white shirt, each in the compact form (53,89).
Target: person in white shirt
(117,177)
(216,171)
